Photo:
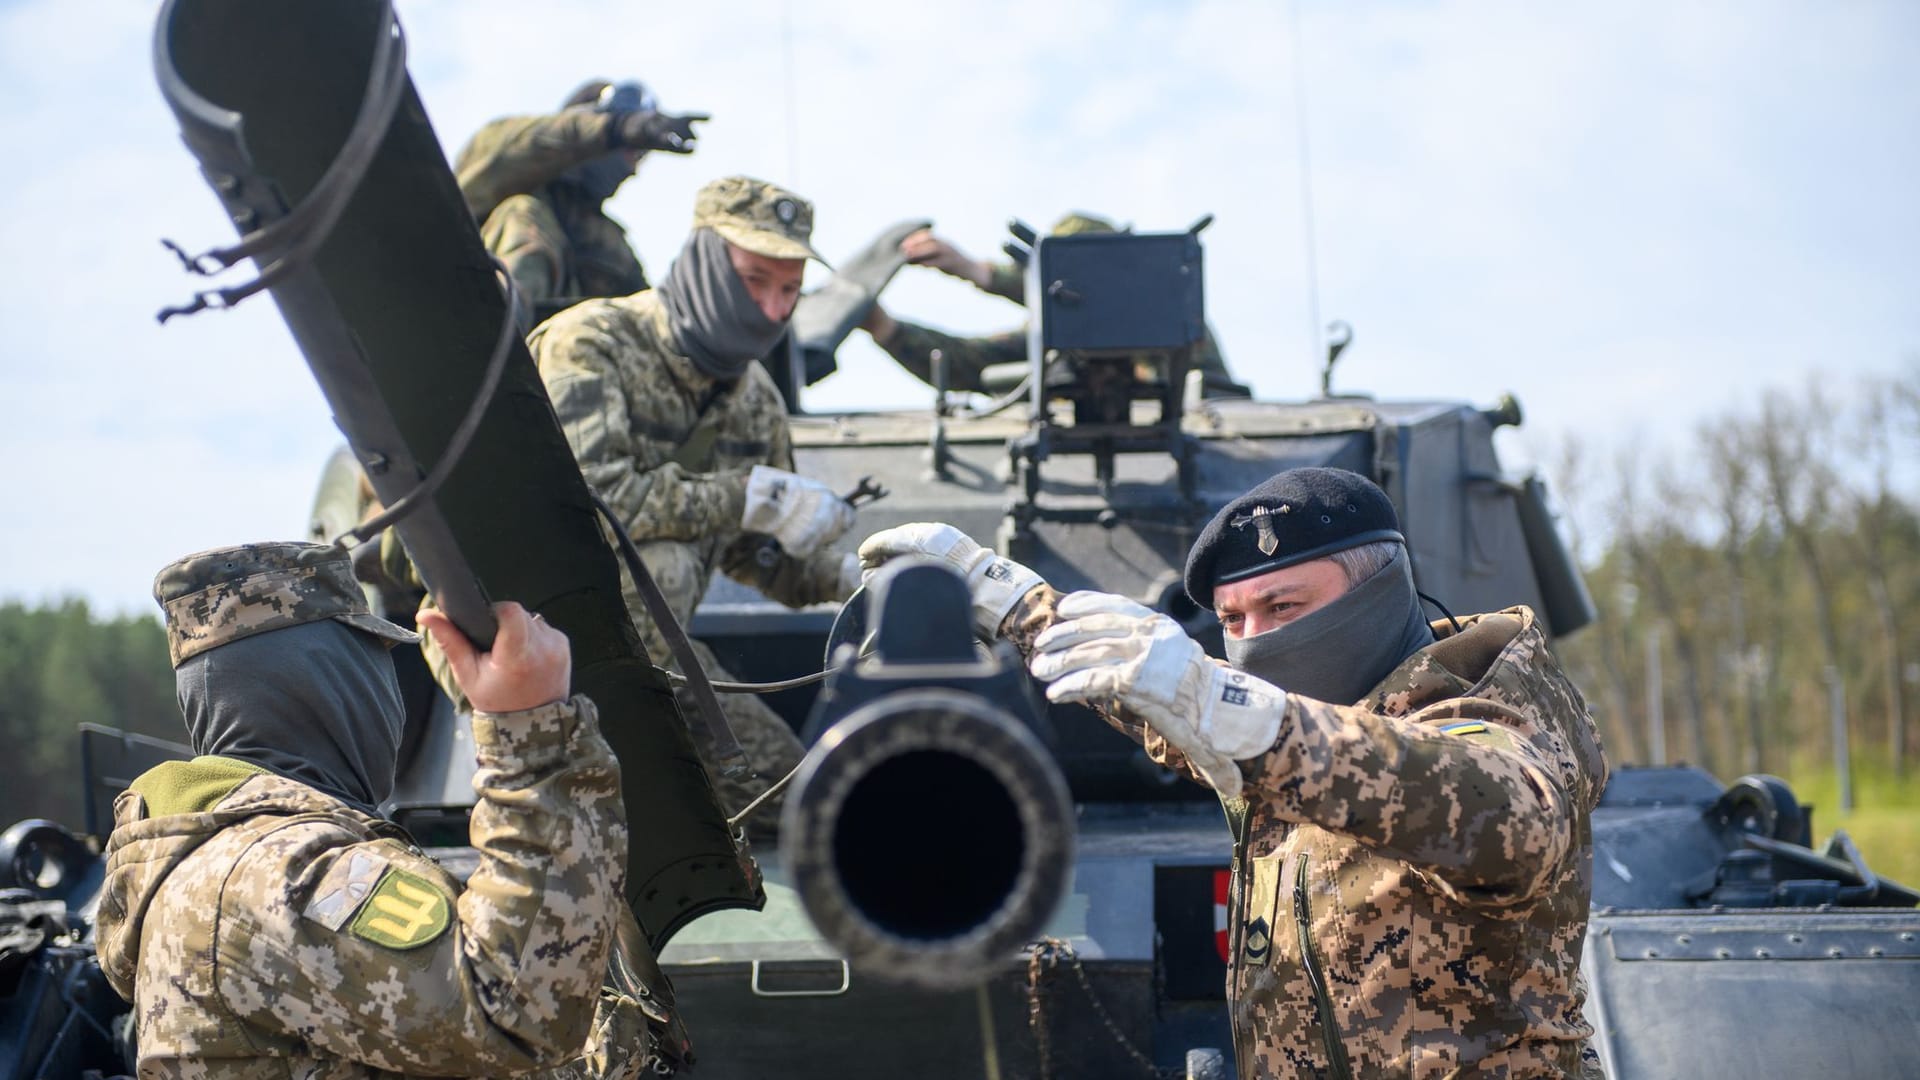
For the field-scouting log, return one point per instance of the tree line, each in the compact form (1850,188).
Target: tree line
(61,666)
(1757,583)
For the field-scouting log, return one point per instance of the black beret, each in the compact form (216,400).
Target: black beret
(1298,515)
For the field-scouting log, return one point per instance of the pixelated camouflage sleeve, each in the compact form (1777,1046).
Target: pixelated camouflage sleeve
(1482,813)
(655,498)
(757,560)
(360,953)
(527,238)
(522,154)
(1007,280)
(1033,614)
(912,346)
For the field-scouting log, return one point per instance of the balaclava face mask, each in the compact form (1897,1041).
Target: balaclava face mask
(317,703)
(1341,652)
(713,318)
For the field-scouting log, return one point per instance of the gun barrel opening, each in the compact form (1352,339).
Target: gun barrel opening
(941,869)
(929,837)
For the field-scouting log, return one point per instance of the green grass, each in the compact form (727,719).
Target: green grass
(1885,822)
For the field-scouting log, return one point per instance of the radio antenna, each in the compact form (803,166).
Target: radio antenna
(1306,182)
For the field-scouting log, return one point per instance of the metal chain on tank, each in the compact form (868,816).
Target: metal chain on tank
(1038,964)
(1047,955)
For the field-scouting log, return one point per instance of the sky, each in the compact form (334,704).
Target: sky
(1634,215)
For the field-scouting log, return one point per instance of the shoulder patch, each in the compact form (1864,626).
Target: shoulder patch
(405,911)
(1464,727)
(345,889)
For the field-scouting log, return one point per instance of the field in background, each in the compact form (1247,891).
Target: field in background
(1885,822)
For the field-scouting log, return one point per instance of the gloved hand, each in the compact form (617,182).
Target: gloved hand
(996,583)
(804,515)
(658,131)
(1111,649)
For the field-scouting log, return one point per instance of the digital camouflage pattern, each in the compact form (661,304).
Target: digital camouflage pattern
(213,597)
(669,449)
(557,243)
(763,218)
(1437,880)
(272,931)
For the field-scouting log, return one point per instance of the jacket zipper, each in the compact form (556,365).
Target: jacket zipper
(1329,1030)
(1236,941)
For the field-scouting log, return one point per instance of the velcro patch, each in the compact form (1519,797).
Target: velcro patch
(347,885)
(405,911)
(1464,727)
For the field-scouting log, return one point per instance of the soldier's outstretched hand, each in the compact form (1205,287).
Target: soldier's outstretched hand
(923,248)
(659,131)
(530,664)
(802,513)
(1109,649)
(997,583)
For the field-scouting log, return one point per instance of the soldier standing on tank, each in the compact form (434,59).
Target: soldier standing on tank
(913,345)
(255,908)
(685,436)
(1410,802)
(538,184)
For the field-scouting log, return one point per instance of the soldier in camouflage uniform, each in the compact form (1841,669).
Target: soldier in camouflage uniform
(912,345)
(537,184)
(683,433)
(265,923)
(1410,802)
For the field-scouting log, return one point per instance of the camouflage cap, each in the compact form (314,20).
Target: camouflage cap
(762,218)
(1077,223)
(214,597)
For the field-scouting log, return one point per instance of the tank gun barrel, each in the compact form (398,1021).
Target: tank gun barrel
(928,832)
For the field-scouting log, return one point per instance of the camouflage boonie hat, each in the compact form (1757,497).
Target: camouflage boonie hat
(214,597)
(760,217)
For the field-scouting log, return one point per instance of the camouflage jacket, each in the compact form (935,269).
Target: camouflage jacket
(669,449)
(263,929)
(912,346)
(1412,873)
(558,245)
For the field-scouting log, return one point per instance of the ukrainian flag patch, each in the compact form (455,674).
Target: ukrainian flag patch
(1464,727)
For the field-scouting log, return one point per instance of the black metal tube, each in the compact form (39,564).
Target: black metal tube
(929,837)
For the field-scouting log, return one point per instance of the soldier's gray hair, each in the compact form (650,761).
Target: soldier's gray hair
(1361,563)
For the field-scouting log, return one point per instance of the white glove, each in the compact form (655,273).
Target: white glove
(804,515)
(995,583)
(1111,649)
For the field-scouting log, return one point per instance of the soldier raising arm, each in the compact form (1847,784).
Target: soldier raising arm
(1410,802)
(265,922)
(537,185)
(912,345)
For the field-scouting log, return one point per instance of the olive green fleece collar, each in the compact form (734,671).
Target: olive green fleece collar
(191,787)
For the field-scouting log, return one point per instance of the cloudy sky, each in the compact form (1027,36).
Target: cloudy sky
(1632,214)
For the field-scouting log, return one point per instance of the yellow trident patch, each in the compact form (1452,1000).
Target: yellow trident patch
(405,911)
